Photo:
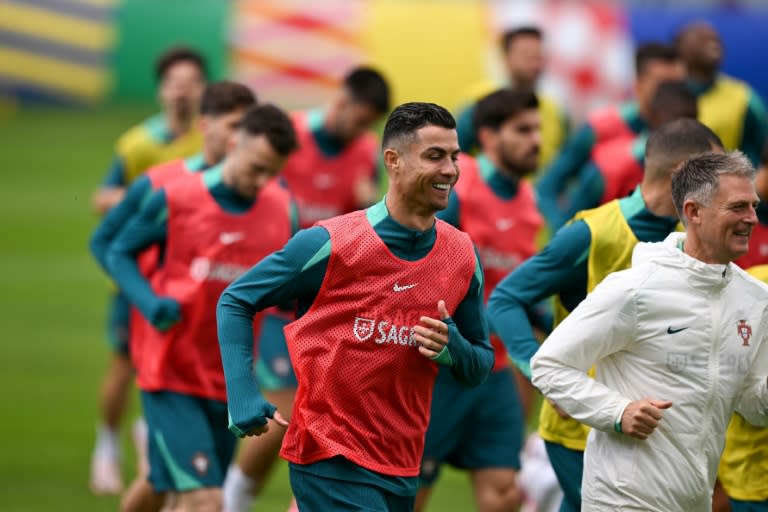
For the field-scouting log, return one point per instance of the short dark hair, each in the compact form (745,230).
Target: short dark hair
(408,118)
(673,98)
(509,36)
(675,142)
(496,108)
(224,97)
(648,52)
(764,153)
(368,86)
(272,122)
(699,178)
(179,54)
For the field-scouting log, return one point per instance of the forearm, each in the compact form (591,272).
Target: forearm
(116,219)
(145,229)
(247,407)
(510,322)
(582,397)
(557,176)
(470,360)
(468,345)
(602,325)
(124,269)
(278,279)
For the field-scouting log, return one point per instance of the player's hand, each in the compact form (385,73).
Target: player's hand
(564,415)
(432,334)
(165,313)
(641,417)
(263,429)
(104,199)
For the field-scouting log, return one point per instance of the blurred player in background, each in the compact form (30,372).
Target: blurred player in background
(524,61)
(481,429)
(169,135)
(581,254)
(730,107)
(213,226)
(654,63)
(744,463)
(616,166)
(221,110)
(333,172)
(386,295)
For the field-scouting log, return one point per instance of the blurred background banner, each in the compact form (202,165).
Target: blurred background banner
(57,49)
(293,52)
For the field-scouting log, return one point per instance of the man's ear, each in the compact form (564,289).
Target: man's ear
(692,211)
(391,160)
(202,123)
(486,136)
(232,141)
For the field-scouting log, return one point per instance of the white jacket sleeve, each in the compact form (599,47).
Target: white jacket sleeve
(753,404)
(604,323)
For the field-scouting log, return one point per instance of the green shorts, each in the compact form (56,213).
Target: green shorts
(473,428)
(315,493)
(273,367)
(118,322)
(190,446)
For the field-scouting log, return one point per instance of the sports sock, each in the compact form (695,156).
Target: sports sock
(107,442)
(238,490)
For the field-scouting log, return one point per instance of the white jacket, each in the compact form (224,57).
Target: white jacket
(671,328)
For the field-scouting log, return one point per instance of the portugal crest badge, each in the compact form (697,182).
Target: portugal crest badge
(745,332)
(363,328)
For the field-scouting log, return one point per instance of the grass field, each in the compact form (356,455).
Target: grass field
(52,305)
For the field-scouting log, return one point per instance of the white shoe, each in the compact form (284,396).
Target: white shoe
(105,475)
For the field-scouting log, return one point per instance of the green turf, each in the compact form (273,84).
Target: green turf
(53,298)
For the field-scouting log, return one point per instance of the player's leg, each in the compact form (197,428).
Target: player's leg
(106,476)
(569,468)
(450,422)
(141,497)
(496,490)
(189,447)
(537,480)
(258,455)
(491,449)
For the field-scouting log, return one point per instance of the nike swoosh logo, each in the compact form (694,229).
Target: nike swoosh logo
(670,330)
(397,288)
(230,238)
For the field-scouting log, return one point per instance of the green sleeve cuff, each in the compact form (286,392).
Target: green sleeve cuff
(444,357)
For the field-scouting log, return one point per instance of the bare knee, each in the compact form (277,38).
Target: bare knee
(496,490)
(201,500)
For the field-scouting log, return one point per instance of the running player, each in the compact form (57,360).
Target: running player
(523,55)
(596,243)
(481,429)
(221,110)
(166,136)
(730,107)
(616,166)
(654,63)
(213,227)
(386,295)
(333,172)
(744,463)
